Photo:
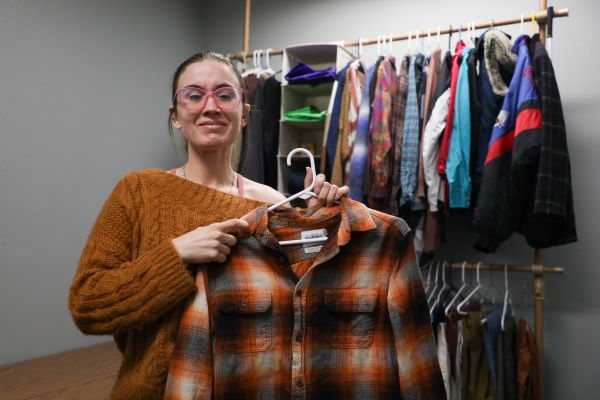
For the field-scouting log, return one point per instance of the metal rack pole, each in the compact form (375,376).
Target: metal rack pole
(540,17)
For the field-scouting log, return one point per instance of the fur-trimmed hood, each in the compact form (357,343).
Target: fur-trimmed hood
(498,56)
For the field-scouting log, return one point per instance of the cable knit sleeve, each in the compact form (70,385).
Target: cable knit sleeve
(111,291)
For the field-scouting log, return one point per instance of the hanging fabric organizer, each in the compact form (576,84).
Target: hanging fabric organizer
(543,18)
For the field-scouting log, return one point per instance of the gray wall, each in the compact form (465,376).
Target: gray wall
(572,317)
(83,100)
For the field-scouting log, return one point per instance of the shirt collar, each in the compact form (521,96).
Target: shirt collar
(355,217)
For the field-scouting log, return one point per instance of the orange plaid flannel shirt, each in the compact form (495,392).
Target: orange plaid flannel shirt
(348,321)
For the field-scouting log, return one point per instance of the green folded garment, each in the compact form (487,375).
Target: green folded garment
(305,114)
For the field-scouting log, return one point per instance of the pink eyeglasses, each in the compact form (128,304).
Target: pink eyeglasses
(193,98)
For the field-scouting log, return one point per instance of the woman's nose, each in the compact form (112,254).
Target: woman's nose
(210,105)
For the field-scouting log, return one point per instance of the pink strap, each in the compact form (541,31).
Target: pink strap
(240,184)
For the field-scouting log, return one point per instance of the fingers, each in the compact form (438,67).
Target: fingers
(319,184)
(331,195)
(227,240)
(237,226)
(341,192)
(308,177)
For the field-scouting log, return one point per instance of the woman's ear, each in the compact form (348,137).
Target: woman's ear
(245,115)
(174,120)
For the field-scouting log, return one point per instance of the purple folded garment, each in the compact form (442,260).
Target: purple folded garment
(302,73)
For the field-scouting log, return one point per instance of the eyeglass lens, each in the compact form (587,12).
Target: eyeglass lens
(194,98)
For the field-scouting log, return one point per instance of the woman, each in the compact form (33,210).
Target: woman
(137,268)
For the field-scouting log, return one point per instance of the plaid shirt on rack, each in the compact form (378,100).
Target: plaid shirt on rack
(381,128)
(410,141)
(345,319)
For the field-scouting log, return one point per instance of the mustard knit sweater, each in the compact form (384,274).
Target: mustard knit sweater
(130,281)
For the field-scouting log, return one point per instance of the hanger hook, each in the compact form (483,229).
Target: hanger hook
(360,47)
(522,23)
(267,58)
(410,41)
(532,23)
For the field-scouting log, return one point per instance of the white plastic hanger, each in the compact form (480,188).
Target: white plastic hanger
(522,23)
(429,40)
(435,283)
(409,42)
(428,282)
(466,299)
(378,45)
(445,287)
(460,290)
(254,68)
(360,47)
(305,192)
(268,71)
(419,43)
(439,39)
(390,39)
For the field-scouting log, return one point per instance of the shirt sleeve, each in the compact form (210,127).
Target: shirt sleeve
(191,365)
(111,291)
(418,366)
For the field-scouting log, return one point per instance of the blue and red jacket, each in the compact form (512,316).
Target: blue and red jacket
(510,168)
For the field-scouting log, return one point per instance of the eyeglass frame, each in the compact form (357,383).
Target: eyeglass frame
(211,93)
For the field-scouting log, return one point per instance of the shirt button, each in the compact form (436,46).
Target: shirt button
(299,382)
(299,338)
(299,292)
(243,303)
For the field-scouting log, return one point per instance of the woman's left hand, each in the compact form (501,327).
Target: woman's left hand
(326,192)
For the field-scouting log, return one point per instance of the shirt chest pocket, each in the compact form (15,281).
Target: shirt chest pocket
(243,321)
(350,317)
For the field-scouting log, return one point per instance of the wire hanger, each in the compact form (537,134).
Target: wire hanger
(460,290)
(505,306)
(466,299)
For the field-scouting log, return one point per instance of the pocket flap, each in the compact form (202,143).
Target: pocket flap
(244,302)
(351,300)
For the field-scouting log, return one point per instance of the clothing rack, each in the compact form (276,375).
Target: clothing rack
(537,268)
(540,17)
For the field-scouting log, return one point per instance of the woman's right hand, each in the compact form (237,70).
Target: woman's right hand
(210,243)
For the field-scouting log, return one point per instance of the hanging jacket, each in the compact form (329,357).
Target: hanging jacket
(431,147)
(360,153)
(551,221)
(445,146)
(410,138)
(496,67)
(458,164)
(334,126)
(512,158)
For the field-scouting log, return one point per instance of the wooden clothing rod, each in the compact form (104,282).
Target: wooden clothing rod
(540,17)
(533,268)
